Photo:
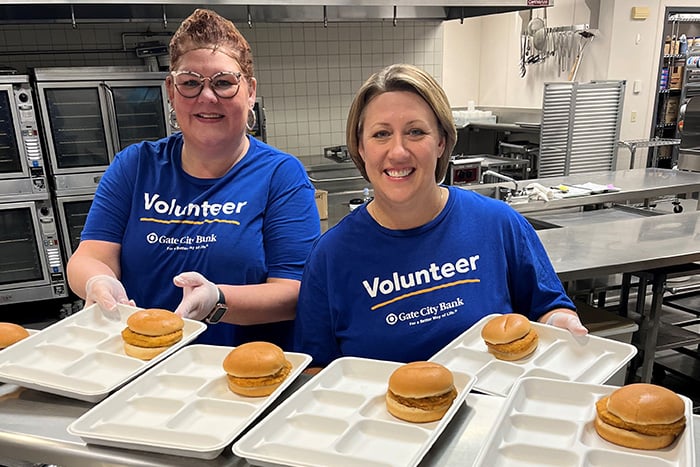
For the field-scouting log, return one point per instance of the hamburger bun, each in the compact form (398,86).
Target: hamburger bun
(11,333)
(256,369)
(420,392)
(510,336)
(150,332)
(640,416)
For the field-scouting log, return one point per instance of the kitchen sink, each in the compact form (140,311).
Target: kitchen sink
(539,224)
(336,177)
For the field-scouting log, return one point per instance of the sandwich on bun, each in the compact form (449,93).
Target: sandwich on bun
(640,416)
(420,392)
(150,332)
(510,336)
(256,369)
(11,333)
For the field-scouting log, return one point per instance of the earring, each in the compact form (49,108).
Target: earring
(172,119)
(250,126)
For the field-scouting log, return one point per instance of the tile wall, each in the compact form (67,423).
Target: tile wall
(307,73)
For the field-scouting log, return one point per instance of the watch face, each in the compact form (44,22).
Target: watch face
(216,315)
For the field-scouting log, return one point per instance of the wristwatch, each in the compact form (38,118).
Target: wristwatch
(219,309)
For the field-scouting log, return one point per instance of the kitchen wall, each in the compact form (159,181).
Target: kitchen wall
(307,74)
(485,64)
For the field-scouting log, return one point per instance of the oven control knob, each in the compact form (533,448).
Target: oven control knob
(23,97)
(45,211)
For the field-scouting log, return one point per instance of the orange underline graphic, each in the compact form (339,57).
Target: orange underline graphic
(418,292)
(176,221)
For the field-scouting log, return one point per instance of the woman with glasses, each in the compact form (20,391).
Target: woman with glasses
(209,222)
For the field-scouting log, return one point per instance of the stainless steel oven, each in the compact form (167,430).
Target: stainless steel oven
(21,156)
(89,114)
(31,266)
(71,214)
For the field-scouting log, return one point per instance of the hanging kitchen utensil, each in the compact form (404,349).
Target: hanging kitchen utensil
(534,24)
(523,46)
(539,40)
(587,39)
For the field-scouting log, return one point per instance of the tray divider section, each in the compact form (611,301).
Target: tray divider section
(339,417)
(182,406)
(550,423)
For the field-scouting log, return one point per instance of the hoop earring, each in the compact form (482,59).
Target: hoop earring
(172,120)
(251,116)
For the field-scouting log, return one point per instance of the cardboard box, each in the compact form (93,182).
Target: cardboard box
(676,77)
(671,109)
(322,204)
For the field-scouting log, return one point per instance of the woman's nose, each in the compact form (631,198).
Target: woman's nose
(208,93)
(398,146)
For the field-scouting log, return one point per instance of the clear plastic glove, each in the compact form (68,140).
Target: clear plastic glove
(568,321)
(107,292)
(199,296)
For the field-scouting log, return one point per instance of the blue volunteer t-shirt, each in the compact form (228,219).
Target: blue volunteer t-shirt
(402,295)
(257,221)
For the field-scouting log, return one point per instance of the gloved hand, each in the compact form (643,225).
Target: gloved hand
(568,321)
(198,295)
(107,292)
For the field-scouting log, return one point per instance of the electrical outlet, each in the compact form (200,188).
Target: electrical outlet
(633,116)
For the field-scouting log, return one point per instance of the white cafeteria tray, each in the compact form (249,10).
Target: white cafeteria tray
(550,422)
(182,406)
(339,417)
(559,355)
(81,356)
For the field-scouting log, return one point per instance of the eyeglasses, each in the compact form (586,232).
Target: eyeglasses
(189,84)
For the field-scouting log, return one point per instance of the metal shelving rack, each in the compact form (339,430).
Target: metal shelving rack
(670,96)
(655,143)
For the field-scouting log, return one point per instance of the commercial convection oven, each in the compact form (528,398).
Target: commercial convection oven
(31,266)
(88,115)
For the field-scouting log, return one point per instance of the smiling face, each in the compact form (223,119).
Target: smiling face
(400,144)
(209,122)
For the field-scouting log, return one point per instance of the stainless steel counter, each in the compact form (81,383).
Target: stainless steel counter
(646,244)
(593,250)
(33,430)
(636,185)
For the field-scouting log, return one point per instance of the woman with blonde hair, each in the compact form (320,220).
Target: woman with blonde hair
(403,275)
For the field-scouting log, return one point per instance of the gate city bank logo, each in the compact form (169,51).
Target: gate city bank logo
(185,242)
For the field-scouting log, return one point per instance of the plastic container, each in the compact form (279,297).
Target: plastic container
(339,418)
(559,355)
(181,407)
(81,356)
(547,422)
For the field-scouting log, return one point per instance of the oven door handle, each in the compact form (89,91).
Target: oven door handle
(112,119)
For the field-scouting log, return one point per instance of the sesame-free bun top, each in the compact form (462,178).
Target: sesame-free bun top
(421,379)
(154,322)
(505,328)
(254,359)
(646,404)
(11,333)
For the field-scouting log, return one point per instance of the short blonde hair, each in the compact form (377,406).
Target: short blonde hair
(402,77)
(206,29)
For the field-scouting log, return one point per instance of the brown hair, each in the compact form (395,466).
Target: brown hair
(402,77)
(206,29)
